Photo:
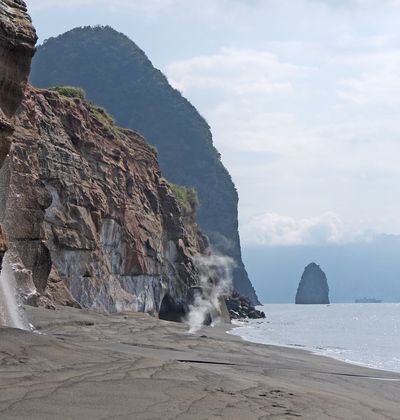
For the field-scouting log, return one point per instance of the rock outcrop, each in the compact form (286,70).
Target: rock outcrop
(313,287)
(91,221)
(3,246)
(17,46)
(240,307)
(116,74)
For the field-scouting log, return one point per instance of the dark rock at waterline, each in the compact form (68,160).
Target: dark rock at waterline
(240,307)
(313,287)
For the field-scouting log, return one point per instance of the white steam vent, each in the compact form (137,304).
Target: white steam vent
(11,312)
(215,286)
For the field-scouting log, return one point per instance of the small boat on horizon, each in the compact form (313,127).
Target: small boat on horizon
(368,300)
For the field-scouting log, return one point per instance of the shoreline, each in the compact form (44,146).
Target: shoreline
(331,345)
(132,366)
(306,350)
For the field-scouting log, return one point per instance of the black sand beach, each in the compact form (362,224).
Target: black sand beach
(85,365)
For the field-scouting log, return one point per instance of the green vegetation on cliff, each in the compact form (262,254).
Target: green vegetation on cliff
(69,91)
(97,112)
(116,74)
(186,197)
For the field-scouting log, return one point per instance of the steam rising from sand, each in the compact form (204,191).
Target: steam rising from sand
(216,284)
(11,313)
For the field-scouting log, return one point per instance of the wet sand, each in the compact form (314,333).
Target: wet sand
(86,365)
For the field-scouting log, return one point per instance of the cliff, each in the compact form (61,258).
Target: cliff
(91,222)
(116,74)
(313,287)
(17,46)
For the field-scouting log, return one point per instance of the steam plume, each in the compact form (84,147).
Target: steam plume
(215,285)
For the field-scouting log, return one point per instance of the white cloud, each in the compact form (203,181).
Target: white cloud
(277,230)
(371,64)
(381,88)
(236,71)
(307,145)
(115,5)
(356,4)
(377,82)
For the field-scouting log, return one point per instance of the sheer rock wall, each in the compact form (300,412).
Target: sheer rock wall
(91,221)
(17,46)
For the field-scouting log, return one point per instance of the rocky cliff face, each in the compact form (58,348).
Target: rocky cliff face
(3,245)
(91,221)
(17,46)
(116,74)
(313,287)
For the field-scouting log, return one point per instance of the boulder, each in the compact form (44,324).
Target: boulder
(240,307)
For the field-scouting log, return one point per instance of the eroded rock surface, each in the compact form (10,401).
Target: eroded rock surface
(313,287)
(240,307)
(3,246)
(91,221)
(17,46)
(140,97)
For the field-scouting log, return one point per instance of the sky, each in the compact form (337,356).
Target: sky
(302,97)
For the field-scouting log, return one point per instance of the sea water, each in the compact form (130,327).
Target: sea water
(367,334)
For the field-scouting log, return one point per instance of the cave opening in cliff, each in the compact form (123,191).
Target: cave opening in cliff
(171,310)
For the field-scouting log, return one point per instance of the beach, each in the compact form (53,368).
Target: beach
(359,333)
(87,365)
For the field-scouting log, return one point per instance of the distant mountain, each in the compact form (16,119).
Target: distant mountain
(116,74)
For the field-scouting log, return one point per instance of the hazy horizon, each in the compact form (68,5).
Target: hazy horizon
(354,271)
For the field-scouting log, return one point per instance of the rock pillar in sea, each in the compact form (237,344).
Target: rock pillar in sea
(313,287)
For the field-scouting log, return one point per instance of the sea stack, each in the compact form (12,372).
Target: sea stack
(313,287)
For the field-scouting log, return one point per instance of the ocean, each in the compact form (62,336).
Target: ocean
(366,334)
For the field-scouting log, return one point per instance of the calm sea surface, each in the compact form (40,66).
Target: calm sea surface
(362,333)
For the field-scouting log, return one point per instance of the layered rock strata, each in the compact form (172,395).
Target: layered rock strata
(313,287)
(17,46)
(117,74)
(91,221)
